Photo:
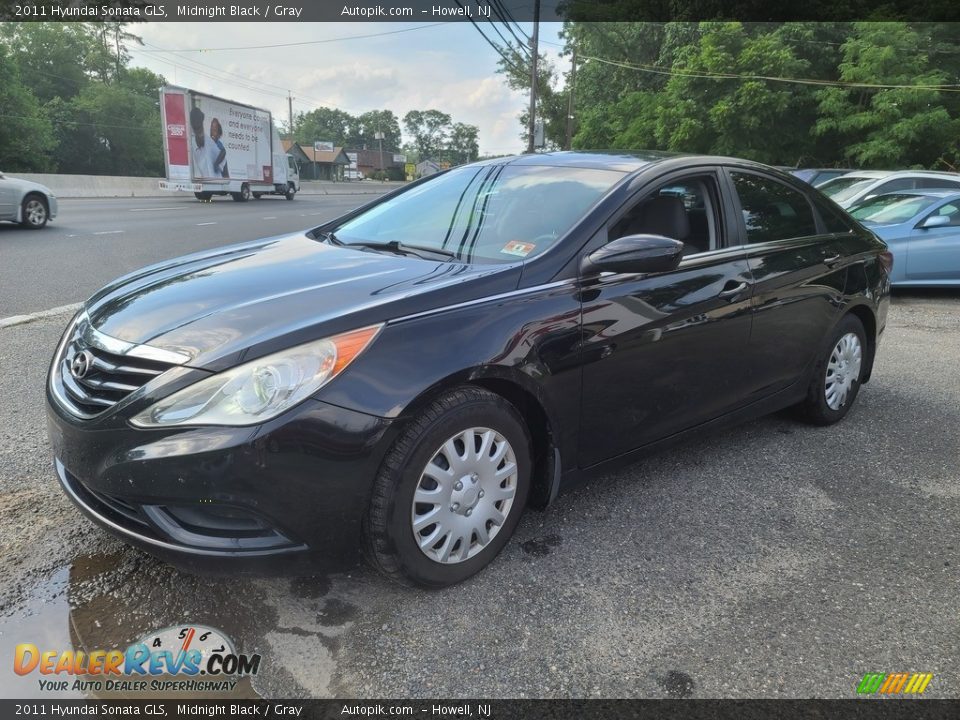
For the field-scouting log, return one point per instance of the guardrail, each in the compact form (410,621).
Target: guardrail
(104,186)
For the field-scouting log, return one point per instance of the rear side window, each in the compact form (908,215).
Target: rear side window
(771,210)
(931,183)
(834,219)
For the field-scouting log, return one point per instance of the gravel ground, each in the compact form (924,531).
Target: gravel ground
(769,560)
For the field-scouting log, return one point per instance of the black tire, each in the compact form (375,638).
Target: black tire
(291,192)
(388,536)
(203,196)
(814,408)
(257,195)
(34,212)
(243,195)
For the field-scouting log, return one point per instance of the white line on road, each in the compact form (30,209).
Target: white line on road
(149,209)
(206,223)
(108,232)
(269,217)
(52,312)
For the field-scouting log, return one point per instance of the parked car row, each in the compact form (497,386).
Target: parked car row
(916,212)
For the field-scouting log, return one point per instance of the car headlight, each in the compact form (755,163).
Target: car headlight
(259,390)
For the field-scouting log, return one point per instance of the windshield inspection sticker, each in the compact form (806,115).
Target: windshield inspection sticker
(520,249)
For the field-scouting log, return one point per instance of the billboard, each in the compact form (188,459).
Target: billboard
(175,134)
(228,141)
(322,146)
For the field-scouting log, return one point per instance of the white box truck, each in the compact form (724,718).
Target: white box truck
(213,146)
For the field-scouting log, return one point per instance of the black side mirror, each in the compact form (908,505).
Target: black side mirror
(635,254)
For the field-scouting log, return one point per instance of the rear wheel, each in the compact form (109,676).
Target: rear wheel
(34,214)
(203,196)
(451,490)
(243,195)
(837,374)
(257,195)
(291,192)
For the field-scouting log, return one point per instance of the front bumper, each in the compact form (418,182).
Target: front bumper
(286,496)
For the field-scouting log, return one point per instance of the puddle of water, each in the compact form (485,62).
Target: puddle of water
(45,623)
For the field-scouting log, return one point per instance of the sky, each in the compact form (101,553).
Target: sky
(447,67)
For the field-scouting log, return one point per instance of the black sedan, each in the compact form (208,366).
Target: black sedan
(407,379)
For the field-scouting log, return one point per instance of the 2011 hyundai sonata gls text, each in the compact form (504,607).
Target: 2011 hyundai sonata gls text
(409,378)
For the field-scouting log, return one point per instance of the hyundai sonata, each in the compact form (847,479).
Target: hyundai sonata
(409,378)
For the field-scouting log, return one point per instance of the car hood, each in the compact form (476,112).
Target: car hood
(27,185)
(219,306)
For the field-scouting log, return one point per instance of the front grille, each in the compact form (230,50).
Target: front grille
(95,372)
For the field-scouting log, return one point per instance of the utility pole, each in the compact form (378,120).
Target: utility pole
(534,53)
(379,137)
(290,114)
(573,83)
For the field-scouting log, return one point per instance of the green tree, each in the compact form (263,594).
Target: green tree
(324,124)
(27,140)
(888,127)
(429,132)
(109,130)
(462,145)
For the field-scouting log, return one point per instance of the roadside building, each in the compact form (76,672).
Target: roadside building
(318,165)
(427,167)
(370,161)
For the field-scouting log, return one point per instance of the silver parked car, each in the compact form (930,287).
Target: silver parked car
(28,203)
(852,188)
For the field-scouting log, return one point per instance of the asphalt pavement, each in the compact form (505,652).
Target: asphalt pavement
(93,241)
(774,559)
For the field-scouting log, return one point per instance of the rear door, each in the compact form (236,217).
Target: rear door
(798,266)
(934,253)
(665,352)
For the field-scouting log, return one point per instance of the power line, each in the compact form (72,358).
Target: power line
(311,42)
(734,76)
(492,44)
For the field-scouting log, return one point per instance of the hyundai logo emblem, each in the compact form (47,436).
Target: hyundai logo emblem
(82,362)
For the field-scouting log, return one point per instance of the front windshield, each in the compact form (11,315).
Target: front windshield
(844,188)
(491,213)
(891,209)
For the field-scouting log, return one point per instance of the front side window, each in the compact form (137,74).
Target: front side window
(771,210)
(493,213)
(686,209)
(952,211)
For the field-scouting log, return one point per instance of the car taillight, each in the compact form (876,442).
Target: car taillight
(886,259)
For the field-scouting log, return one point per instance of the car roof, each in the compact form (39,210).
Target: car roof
(923,173)
(867,174)
(945,193)
(626,161)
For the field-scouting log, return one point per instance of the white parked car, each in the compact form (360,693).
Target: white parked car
(28,203)
(855,187)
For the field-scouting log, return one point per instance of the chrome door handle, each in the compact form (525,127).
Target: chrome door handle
(832,260)
(734,291)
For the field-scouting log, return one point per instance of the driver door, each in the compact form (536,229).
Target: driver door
(663,353)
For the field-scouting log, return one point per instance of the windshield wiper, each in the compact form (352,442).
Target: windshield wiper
(395,246)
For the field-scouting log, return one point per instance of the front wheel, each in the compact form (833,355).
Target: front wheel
(837,374)
(34,213)
(451,490)
(291,192)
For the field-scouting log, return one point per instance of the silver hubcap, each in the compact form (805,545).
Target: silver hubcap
(464,495)
(843,370)
(35,212)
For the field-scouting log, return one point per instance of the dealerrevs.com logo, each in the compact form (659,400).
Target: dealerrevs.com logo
(191,658)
